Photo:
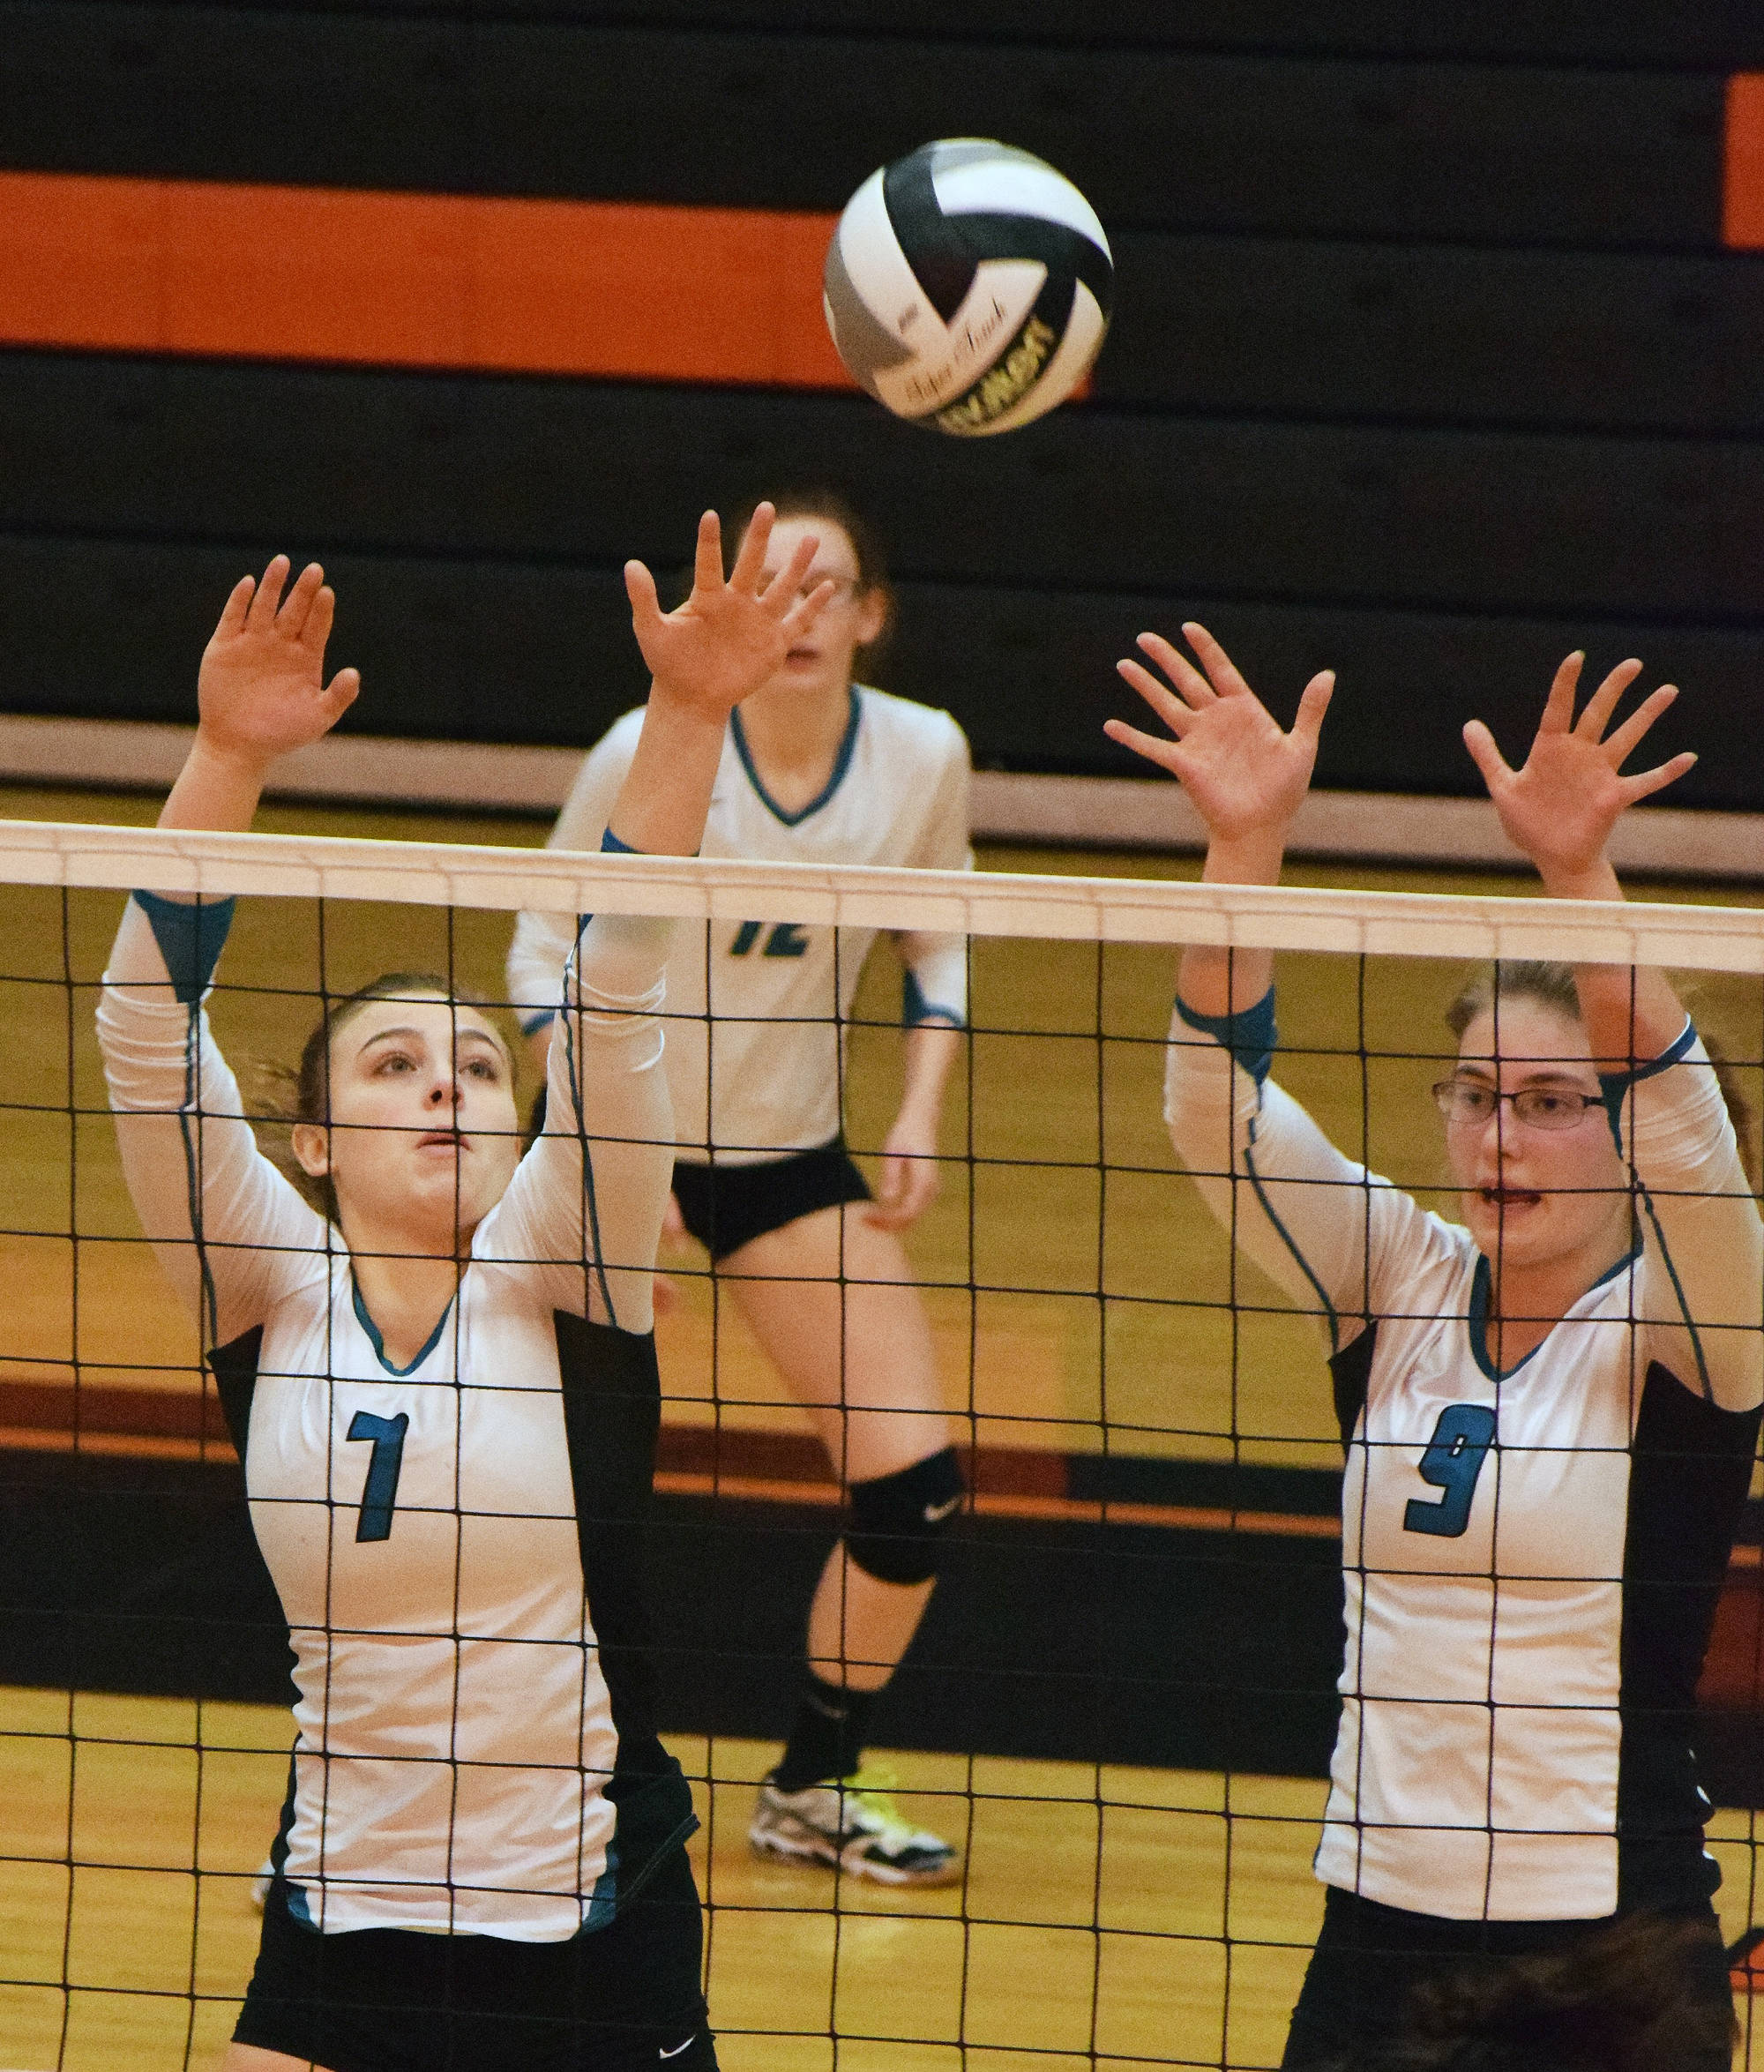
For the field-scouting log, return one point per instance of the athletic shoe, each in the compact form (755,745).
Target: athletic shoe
(851,1827)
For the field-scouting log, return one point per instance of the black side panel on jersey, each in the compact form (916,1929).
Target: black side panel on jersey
(1350,1375)
(234,1368)
(612,1412)
(1689,1467)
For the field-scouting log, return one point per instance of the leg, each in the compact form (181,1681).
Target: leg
(831,1300)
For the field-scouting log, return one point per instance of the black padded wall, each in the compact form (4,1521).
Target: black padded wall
(1428,362)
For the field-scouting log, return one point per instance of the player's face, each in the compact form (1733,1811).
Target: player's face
(423,1130)
(823,659)
(1534,1195)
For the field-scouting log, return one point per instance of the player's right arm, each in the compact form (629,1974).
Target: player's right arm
(229,1229)
(542,942)
(1316,1222)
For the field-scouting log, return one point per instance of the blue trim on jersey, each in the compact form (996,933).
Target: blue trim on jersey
(534,1019)
(1268,1208)
(841,763)
(1250,1037)
(1477,1322)
(190,938)
(915,1010)
(378,1343)
(1613,1086)
(1678,1293)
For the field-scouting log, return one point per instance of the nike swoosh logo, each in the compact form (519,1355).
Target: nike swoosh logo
(935,1514)
(679,2047)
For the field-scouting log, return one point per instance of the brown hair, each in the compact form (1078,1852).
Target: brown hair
(820,500)
(1552,985)
(1626,1998)
(302,1093)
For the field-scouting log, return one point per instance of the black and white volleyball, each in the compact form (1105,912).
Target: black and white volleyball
(968,285)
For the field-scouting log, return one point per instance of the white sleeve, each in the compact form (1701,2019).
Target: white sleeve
(588,1201)
(231,1233)
(936,965)
(1323,1228)
(1702,1290)
(542,941)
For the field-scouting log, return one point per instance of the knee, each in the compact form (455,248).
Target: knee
(897,1521)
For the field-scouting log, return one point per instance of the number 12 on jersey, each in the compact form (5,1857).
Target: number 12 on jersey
(379,1492)
(1452,1462)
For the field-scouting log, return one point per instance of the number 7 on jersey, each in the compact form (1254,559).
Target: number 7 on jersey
(379,1492)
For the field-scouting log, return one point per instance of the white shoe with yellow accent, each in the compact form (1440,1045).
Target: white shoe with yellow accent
(851,1826)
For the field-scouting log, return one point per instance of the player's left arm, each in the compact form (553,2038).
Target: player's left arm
(934,1008)
(591,1195)
(1703,1245)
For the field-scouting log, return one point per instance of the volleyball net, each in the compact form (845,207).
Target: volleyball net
(1121,1703)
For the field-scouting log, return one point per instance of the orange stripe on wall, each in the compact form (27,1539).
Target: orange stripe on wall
(626,291)
(1742,214)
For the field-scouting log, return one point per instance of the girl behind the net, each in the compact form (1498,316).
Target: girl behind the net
(1550,1409)
(445,1399)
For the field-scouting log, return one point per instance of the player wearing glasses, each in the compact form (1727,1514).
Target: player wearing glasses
(1550,1407)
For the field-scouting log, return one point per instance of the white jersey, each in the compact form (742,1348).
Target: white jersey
(1532,1558)
(454,1542)
(755,1064)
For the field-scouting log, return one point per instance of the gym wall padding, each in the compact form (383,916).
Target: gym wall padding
(1430,361)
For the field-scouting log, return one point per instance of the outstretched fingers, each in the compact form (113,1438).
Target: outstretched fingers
(707,557)
(783,593)
(1154,748)
(1594,720)
(1622,744)
(750,562)
(1314,702)
(297,607)
(1221,672)
(340,693)
(640,587)
(804,610)
(1164,701)
(1645,783)
(233,613)
(1177,666)
(1559,707)
(267,602)
(1486,756)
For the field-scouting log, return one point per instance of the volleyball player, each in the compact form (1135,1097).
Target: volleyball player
(1550,1409)
(819,768)
(443,1390)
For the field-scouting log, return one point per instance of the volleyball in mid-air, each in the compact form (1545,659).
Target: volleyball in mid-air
(968,285)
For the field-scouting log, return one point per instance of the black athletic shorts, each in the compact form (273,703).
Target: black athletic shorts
(1369,1958)
(725,1207)
(390,1999)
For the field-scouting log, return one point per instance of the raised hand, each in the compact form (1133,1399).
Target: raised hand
(1244,775)
(262,691)
(727,638)
(1562,804)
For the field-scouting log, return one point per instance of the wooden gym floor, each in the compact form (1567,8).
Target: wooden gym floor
(1151,1918)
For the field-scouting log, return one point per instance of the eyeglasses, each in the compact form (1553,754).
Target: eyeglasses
(844,588)
(1468,1105)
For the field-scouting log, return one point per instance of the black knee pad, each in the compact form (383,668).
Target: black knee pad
(897,1521)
